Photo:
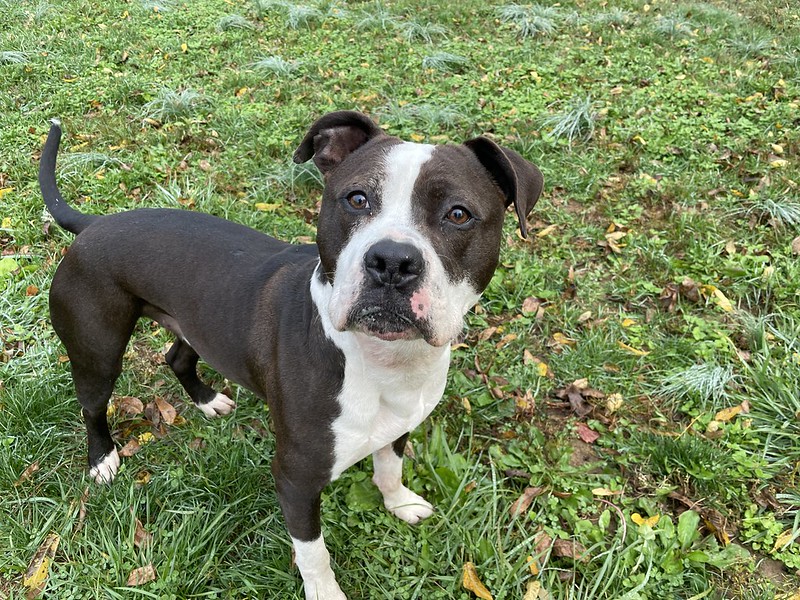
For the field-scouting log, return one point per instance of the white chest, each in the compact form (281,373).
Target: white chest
(379,402)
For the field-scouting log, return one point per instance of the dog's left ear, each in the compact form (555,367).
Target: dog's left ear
(333,137)
(520,180)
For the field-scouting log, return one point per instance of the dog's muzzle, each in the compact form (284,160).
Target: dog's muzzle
(392,304)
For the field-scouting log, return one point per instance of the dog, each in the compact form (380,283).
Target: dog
(347,340)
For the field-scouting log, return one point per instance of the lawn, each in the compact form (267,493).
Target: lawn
(622,419)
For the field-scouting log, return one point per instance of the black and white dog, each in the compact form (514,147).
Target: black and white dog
(348,339)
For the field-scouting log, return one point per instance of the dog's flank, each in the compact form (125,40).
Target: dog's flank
(348,340)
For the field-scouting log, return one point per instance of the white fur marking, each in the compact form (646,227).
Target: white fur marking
(397,498)
(218,406)
(106,469)
(314,562)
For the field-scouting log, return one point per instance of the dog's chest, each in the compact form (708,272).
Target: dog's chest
(379,404)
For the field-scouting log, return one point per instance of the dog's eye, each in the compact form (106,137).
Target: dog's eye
(358,201)
(459,215)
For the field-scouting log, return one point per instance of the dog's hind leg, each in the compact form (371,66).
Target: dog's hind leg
(182,359)
(95,329)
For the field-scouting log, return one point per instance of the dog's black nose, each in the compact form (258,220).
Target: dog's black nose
(394,264)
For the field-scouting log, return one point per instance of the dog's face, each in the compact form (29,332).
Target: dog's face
(409,234)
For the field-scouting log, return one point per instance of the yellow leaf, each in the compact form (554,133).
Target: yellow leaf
(778,163)
(640,520)
(6,223)
(467,405)
(263,206)
(632,350)
(726,414)
(533,566)
(541,369)
(783,540)
(241,91)
(562,340)
(145,438)
(722,301)
(606,492)
(415,137)
(472,582)
(36,575)
(184,47)
(614,402)
(628,322)
(547,230)
(4,191)
(535,591)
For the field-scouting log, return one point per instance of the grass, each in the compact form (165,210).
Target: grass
(659,269)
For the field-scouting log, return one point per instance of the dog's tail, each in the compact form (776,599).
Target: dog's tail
(66,216)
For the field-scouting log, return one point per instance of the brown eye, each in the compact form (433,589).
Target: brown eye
(358,201)
(459,215)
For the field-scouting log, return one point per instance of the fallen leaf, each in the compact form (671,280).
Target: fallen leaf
(35,576)
(31,290)
(726,414)
(141,537)
(129,406)
(614,403)
(265,207)
(472,582)
(530,305)
(587,434)
(487,333)
(783,540)
(606,492)
(145,438)
(142,575)
(535,591)
(640,520)
(560,339)
(632,350)
(142,478)
(796,245)
(534,568)
(168,412)
(523,503)
(547,230)
(26,474)
(570,549)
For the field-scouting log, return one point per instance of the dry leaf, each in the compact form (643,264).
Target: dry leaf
(129,406)
(796,245)
(606,492)
(26,474)
(487,333)
(726,414)
(783,540)
(142,575)
(547,230)
(523,503)
(129,449)
(530,305)
(640,520)
(35,577)
(587,434)
(168,412)
(535,591)
(614,403)
(632,350)
(141,537)
(533,566)
(472,582)
(570,549)
(559,339)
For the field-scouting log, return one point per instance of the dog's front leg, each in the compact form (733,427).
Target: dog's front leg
(299,496)
(397,498)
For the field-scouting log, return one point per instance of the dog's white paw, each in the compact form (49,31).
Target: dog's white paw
(218,406)
(106,469)
(323,588)
(408,506)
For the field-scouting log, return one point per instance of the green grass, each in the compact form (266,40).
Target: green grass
(660,268)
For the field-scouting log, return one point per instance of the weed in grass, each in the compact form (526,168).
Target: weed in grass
(446,62)
(708,383)
(617,18)
(429,114)
(673,28)
(72,163)
(301,15)
(378,18)
(157,5)
(780,213)
(751,44)
(532,20)
(576,122)
(427,32)
(277,65)
(229,22)
(263,7)
(170,105)
(13,57)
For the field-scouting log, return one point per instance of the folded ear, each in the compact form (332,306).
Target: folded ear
(520,180)
(333,137)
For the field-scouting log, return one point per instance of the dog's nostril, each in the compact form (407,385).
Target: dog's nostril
(394,264)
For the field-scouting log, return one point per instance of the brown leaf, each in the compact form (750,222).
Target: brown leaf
(587,434)
(531,305)
(26,474)
(141,537)
(669,297)
(131,448)
(487,333)
(570,549)
(690,290)
(129,406)
(523,503)
(31,290)
(82,510)
(168,412)
(796,246)
(578,404)
(152,413)
(142,575)
(542,543)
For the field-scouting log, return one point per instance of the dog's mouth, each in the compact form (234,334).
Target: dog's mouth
(384,323)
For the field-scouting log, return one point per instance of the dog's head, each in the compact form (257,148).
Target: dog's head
(409,234)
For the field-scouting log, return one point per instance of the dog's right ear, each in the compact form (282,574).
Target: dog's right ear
(334,137)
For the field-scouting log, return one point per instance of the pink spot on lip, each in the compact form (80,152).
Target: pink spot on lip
(420,303)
